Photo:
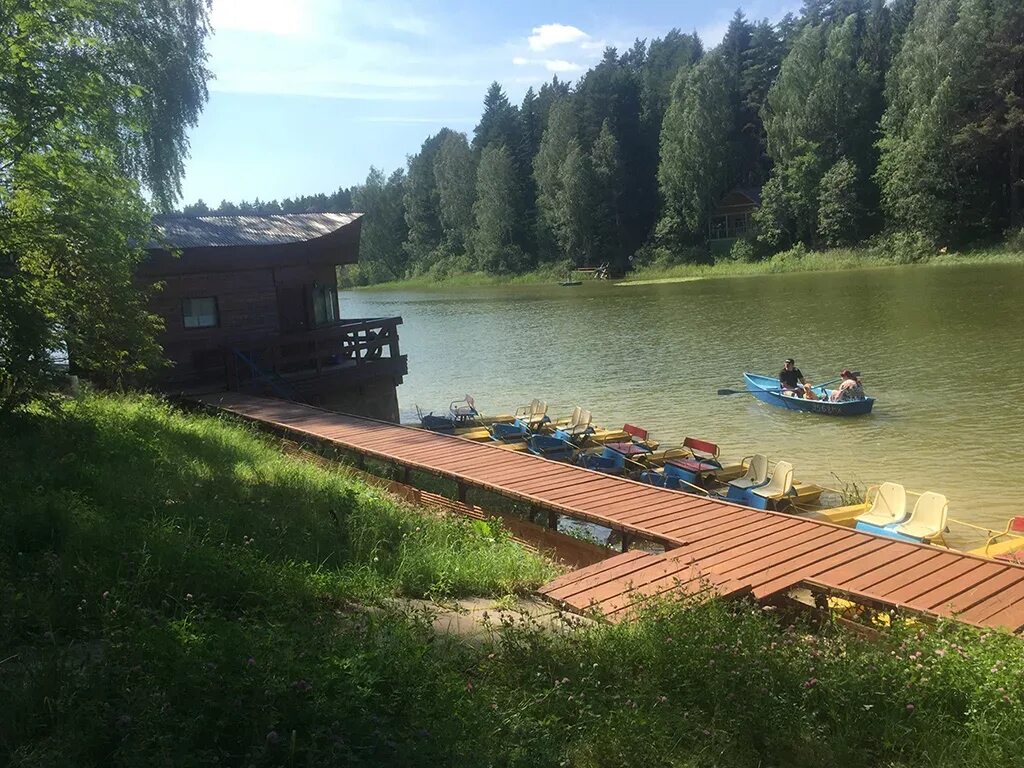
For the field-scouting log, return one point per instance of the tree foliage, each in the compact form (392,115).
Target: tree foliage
(381,257)
(852,117)
(96,97)
(494,241)
(952,163)
(694,151)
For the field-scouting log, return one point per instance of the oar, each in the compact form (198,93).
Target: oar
(775,391)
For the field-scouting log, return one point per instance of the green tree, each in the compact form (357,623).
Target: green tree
(547,172)
(574,206)
(818,112)
(499,122)
(839,210)
(381,255)
(423,204)
(612,91)
(454,174)
(665,57)
(500,125)
(494,238)
(952,146)
(96,99)
(695,152)
(607,164)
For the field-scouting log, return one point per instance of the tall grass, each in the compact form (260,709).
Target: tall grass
(175,591)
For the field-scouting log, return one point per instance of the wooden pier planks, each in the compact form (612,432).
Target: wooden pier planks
(713,546)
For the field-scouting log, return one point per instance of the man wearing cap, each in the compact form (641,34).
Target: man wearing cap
(791,379)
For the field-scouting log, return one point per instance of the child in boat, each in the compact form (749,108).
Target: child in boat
(850,389)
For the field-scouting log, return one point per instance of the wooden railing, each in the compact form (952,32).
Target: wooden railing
(347,343)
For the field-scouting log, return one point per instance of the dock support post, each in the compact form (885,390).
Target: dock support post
(553,521)
(361,462)
(463,490)
(627,542)
(534,514)
(406,476)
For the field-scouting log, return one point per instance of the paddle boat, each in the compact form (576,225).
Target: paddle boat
(887,514)
(614,456)
(1006,545)
(566,440)
(766,389)
(528,420)
(462,419)
(695,466)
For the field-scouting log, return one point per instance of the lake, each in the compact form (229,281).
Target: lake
(941,349)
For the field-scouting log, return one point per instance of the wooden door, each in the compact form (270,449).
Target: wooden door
(292,307)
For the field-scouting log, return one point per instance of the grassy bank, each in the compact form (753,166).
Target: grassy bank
(546,275)
(796,260)
(836,260)
(175,591)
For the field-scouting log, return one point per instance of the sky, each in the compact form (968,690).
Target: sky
(308,94)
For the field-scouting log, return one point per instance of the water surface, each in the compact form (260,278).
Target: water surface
(941,349)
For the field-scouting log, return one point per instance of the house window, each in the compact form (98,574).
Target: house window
(325,304)
(200,313)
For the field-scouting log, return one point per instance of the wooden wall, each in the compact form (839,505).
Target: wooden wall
(247,307)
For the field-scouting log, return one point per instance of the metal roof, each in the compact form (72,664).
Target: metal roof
(276,229)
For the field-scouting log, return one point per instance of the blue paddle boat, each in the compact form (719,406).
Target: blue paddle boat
(766,389)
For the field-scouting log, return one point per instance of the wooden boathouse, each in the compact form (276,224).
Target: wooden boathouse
(709,546)
(250,303)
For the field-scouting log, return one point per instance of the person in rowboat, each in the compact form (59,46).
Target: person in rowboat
(791,380)
(850,389)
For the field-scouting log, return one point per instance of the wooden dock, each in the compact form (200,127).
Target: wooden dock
(711,546)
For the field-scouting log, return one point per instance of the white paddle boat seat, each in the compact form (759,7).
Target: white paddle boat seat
(928,519)
(889,506)
(463,409)
(757,474)
(533,413)
(579,422)
(781,482)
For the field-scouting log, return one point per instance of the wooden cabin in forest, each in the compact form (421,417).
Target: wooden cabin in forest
(732,218)
(251,303)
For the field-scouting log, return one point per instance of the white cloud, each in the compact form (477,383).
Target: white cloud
(561,65)
(549,35)
(519,61)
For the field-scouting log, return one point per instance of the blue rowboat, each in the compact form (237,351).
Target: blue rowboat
(766,389)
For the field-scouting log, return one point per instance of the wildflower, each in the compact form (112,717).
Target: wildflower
(811,683)
(106,595)
(250,662)
(940,651)
(910,707)
(469,686)
(273,738)
(302,686)
(188,597)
